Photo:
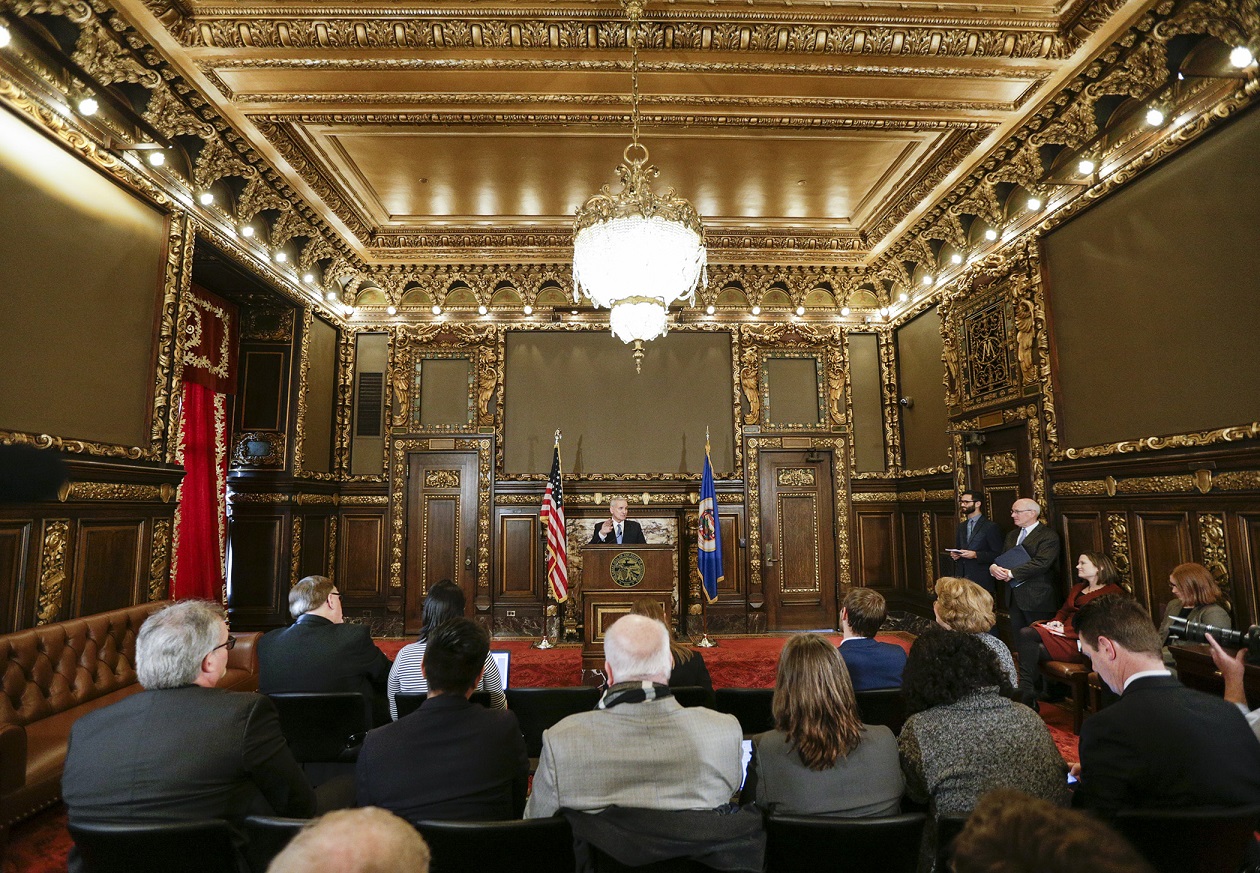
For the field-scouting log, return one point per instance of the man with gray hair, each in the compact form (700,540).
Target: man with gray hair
(182,750)
(639,748)
(368,840)
(320,652)
(1030,584)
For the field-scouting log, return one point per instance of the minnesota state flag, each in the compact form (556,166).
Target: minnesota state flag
(709,534)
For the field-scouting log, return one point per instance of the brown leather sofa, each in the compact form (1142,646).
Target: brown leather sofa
(51,675)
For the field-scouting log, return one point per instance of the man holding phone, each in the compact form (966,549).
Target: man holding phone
(977,541)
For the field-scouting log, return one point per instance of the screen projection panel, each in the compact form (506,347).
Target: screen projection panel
(614,420)
(1154,297)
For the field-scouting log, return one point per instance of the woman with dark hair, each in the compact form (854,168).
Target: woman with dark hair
(963,737)
(820,759)
(689,668)
(1195,593)
(1056,640)
(444,602)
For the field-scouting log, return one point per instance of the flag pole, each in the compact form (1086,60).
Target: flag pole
(705,642)
(551,613)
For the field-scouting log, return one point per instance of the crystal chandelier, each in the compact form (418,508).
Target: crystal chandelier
(635,252)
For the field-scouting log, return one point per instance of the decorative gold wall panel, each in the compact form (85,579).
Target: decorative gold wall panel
(52,570)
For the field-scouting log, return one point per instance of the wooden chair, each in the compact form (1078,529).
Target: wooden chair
(806,842)
(184,847)
(1076,677)
(539,708)
(750,705)
(1190,840)
(532,845)
(886,706)
(324,727)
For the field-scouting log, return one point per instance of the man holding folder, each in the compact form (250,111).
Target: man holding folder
(1028,566)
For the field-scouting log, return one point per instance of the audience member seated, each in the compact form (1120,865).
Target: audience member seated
(820,759)
(354,841)
(1233,669)
(1056,640)
(1195,596)
(871,664)
(1011,832)
(639,747)
(320,652)
(689,668)
(962,605)
(1161,745)
(963,737)
(444,602)
(451,759)
(182,750)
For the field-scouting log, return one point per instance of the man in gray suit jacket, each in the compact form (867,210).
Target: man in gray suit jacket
(182,750)
(639,748)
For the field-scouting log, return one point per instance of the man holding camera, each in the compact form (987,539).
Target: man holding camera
(1232,669)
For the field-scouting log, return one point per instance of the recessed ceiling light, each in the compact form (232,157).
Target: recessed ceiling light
(955,258)
(527,309)
(800,310)
(903,296)
(157,158)
(247,230)
(844,310)
(308,278)
(88,106)
(5,36)
(990,234)
(710,309)
(1154,117)
(1085,167)
(1241,57)
(331,296)
(437,310)
(927,279)
(756,310)
(1034,203)
(391,309)
(280,257)
(481,310)
(205,198)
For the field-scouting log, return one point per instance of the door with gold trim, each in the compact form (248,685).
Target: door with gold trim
(798,548)
(441,528)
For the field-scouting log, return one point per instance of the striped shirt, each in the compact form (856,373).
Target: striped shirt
(405,676)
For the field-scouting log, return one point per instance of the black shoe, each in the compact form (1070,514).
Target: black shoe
(1029,699)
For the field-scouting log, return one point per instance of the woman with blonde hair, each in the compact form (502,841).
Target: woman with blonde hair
(689,668)
(964,606)
(1195,593)
(820,759)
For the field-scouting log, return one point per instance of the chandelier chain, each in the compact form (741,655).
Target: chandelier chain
(635,35)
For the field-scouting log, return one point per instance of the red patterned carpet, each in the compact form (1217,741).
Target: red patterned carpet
(41,844)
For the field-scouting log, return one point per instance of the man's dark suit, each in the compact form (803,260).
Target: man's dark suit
(873,664)
(182,754)
(631,533)
(986,542)
(450,760)
(1030,593)
(313,654)
(1162,745)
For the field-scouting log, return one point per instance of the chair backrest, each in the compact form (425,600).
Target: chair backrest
(268,835)
(183,847)
(1190,840)
(539,708)
(532,845)
(409,701)
(886,706)
(693,695)
(320,727)
(806,842)
(750,705)
(948,827)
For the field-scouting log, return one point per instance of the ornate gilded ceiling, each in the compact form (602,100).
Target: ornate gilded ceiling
(805,133)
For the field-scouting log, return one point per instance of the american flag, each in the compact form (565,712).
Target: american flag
(553,522)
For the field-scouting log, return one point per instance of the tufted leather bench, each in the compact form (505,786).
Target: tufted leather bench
(51,675)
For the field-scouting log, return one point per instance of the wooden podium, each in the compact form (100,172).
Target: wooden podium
(613,577)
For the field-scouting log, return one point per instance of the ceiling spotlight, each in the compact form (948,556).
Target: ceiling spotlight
(756,310)
(1034,203)
(5,37)
(1085,167)
(437,310)
(247,230)
(481,310)
(800,310)
(1241,57)
(205,198)
(884,310)
(348,309)
(527,309)
(927,279)
(1154,117)
(903,296)
(88,106)
(710,309)
(280,257)
(990,234)
(157,158)
(308,278)
(955,258)
(844,310)
(392,309)
(331,296)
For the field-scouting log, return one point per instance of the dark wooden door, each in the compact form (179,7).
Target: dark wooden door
(798,540)
(1001,471)
(441,527)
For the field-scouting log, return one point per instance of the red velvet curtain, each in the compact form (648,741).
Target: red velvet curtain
(209,375)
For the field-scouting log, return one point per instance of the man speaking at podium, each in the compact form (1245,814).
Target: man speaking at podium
(618,529)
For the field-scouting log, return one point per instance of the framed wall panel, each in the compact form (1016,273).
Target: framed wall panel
(875,561)
(15,538)
(107,562)
(361,563)
(1163,542)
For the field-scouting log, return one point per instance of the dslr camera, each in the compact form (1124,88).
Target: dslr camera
(1194,631)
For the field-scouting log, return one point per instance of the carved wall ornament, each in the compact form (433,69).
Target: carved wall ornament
(258,448)
(1118,545)
(332,547)
(821,372)
(52,570)
(118,491)
(796,476)
(988,371)
(263,323)
(367,500)
(160,559)
(1237,480)
(873,496)
(929,575)
(441,478)
(1215,549)
(1000,464)
(295,551)
(1178,441)
(890,390)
